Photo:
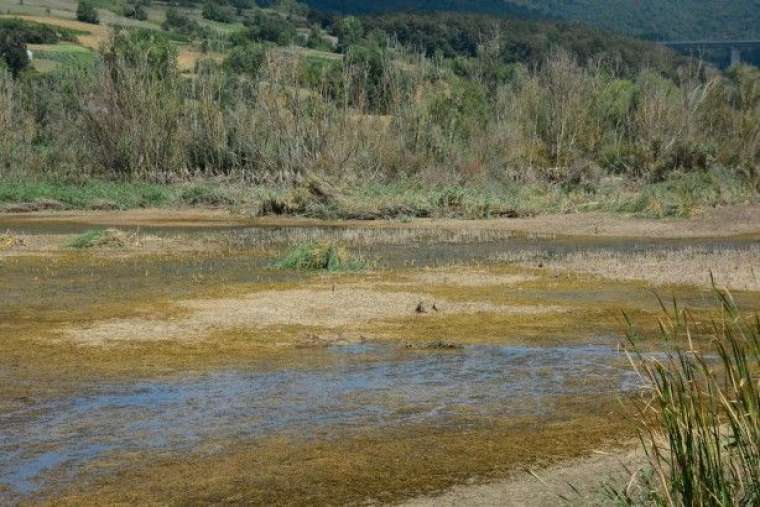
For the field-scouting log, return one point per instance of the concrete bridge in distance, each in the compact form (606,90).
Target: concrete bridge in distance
(734,46)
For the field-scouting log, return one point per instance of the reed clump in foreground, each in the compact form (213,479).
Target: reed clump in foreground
(700,426)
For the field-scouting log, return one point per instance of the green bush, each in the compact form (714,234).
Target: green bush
(205,195)
(264,27)
(180,23)
(87,13)
(217,12)
(37,33)
(315,40)
(94,238)
(349,31)
(135,10)
(13,52)
(246,59)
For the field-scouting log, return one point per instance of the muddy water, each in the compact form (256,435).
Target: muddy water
(360,385)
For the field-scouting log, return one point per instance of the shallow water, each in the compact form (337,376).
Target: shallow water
(339,389)
(361,385)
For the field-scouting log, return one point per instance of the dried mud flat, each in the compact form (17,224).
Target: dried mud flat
(326,308)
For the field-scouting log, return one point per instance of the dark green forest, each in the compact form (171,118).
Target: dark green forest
(653,19)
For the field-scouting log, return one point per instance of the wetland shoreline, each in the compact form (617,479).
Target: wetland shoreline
(188,298)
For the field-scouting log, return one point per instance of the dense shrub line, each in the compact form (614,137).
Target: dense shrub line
(377,114)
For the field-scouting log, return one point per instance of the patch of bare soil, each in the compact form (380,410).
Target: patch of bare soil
(574,482)
(470,278)
(324,308)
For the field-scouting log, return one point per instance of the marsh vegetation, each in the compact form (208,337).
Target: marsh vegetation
(508,366)
(340,311)
(700,421)
(374,128)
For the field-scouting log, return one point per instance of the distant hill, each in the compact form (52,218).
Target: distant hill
(651,19)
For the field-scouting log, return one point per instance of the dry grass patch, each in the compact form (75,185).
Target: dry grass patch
(468,278)
(189,57)
(735,269)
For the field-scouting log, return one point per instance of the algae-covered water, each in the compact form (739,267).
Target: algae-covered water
(360,385)
(46,439)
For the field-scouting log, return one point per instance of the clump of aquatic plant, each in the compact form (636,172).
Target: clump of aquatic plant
(111,238)
(700,423)
(321,256)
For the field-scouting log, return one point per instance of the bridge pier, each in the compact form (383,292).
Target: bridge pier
(735,47)
(736,56)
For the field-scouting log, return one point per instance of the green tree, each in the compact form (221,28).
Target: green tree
(136,10)
(241,5)
(349,31)
(372,75)
(13,52)
(87,13)
(180,23)
(246,59)
(271,28)
(147,50)
(216,12)
(315,40)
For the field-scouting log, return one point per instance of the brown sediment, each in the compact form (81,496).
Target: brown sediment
(369,466)
(178,218)
(464,277)
(715,222)
(114,244)
(339,308)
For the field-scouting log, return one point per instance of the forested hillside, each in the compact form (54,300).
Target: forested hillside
(658,19)
(523,41)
